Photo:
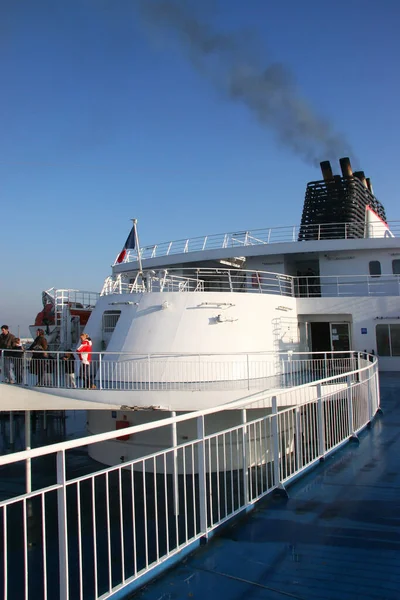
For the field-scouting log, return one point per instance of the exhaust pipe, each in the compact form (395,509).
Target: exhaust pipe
(361,176)
(345,165)
(369,184)
(326,170)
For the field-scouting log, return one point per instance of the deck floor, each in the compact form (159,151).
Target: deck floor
(336,537)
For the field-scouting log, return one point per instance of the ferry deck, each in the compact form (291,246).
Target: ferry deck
(337,536)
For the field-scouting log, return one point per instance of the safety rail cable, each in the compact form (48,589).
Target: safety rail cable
(117,538)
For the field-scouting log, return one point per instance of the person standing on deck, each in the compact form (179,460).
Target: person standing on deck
(17,353)
(69,366)
(39,347)
(7,341)
(85,356)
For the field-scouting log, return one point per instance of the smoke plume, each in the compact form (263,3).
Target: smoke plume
(267,91)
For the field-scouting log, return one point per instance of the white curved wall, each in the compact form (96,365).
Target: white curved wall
(174,322)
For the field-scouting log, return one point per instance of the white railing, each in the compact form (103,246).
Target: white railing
(200,280)
(174,372)
(93,535)
(259,282)
(262,236)
(75,298)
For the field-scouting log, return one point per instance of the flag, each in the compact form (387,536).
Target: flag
(129,245)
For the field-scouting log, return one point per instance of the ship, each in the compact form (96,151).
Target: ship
(191,324)
(223,368)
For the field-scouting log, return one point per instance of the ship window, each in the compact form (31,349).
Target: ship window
(382,340)
(395,339)
(375,268)
(110,319)
(388,340)
(396,266)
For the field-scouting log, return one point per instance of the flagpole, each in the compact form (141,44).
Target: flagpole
(134,221)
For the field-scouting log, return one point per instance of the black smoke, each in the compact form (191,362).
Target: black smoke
(228,60)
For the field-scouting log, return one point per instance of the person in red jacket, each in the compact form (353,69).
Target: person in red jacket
(85,356)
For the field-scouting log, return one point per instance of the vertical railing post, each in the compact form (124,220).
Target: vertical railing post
(321,421)
(199,372)
(101,384)
(24,369)
(377,394)
(299,440)
(369,391)
(58,377)
(350,406)
(201,448)
(245,457)
(248,371)
(62,526)
(275,440)
(28,479)
(175,464)
(148,370)
(2,363)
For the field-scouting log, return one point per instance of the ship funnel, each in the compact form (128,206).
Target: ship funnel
(326,170)
(334,208)
(345,165)
(361,176)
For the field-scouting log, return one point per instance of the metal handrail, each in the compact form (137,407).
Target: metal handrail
(371,362)
(164,372)
(245,280)
(259,237)
(259,453)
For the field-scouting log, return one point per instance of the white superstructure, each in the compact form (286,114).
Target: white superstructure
(188,325)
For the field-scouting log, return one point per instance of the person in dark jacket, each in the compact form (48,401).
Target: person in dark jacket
(69,367)
(7,341)
(39,348)
(17,354)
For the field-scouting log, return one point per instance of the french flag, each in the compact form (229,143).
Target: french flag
(129,245)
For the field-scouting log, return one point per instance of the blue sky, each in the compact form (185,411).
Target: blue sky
(104,117)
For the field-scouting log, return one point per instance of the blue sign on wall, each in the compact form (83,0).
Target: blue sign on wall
(363,330)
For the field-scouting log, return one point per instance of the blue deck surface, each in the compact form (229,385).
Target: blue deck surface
(336,537)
